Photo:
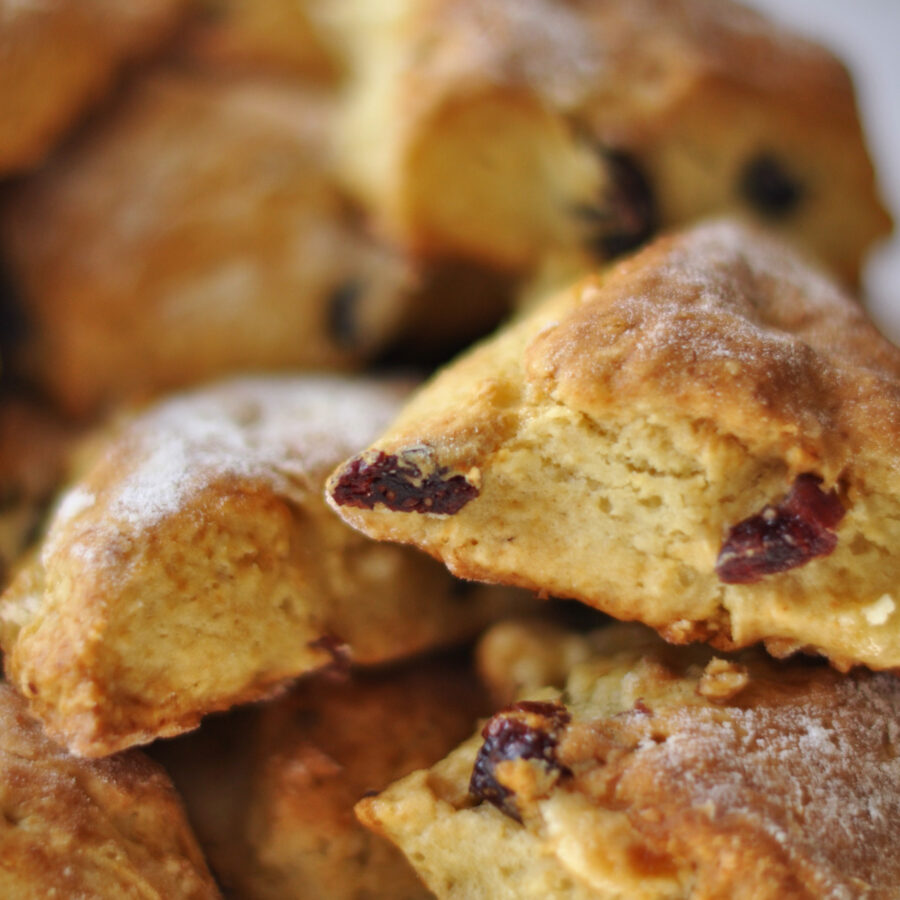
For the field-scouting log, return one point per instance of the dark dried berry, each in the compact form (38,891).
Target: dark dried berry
(526,730)
(782,537)
(626,216)
(342,312)
(402,484)
(768,187)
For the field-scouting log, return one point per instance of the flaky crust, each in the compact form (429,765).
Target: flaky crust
(77,828)
(194,231)
(196,565)
(531,103)
(669,774)
(605,447)
(271,791)
(58,58)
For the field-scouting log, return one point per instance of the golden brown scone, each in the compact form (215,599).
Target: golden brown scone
(74,828)
(270,792)
(522,127)
(192,232)
(281,36)
(650,772)
(703,438)
(34,451)
(196,565)
(59,56)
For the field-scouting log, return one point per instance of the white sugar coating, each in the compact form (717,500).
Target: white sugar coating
(285,432)
(820,775)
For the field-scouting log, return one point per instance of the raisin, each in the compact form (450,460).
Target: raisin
(784,536)
(526,730)
(626,215)
(342,314)
(400,483)
(766,186)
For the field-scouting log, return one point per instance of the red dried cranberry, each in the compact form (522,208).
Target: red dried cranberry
(526,730)
(782,537)
(399,483)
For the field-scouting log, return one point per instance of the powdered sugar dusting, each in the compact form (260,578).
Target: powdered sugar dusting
(818,773)
(287,433)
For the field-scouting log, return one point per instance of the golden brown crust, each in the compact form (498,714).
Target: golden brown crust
(77,828)
(58,58)
(200,527)
(650,788)
(717,108)
(194,231)
(271,791)
(279,36)
(611,441)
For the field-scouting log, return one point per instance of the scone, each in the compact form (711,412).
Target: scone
(270,791)
(57,58)
(526,127)
(703,438)
(651,772)
(76,828)
(196,565)
(34,448)
(279,36)
(192,232)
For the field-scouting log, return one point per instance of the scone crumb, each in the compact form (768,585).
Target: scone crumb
(722,680)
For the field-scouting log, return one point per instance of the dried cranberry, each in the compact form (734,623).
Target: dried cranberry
(768,187)
(526,730)
(626,216)
(401,485)
(782,537)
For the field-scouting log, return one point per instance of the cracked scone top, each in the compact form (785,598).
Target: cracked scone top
(651,772)
(526,127)
(702,438)
(195,565)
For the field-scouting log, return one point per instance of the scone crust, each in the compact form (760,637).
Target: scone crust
(89,828)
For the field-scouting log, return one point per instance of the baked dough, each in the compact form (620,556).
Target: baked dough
(703,438)
(192,232)
(525,127)
(270,791)
(89,828)
(279,36)
(58,57)
(195,565)
(651,772)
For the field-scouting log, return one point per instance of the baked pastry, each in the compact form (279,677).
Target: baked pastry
(703,438)
(526,127)
(195,565)
(655,772)
(89,828)
(34,448)
(280,36)
(270,791)
(194,231)
(59,57)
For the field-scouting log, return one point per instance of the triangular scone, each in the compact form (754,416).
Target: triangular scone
(270,789)
(652,772)
(89,828)
(525,127)
(196,565)
(704,438)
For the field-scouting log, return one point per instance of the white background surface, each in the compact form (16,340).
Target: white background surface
(865,34)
